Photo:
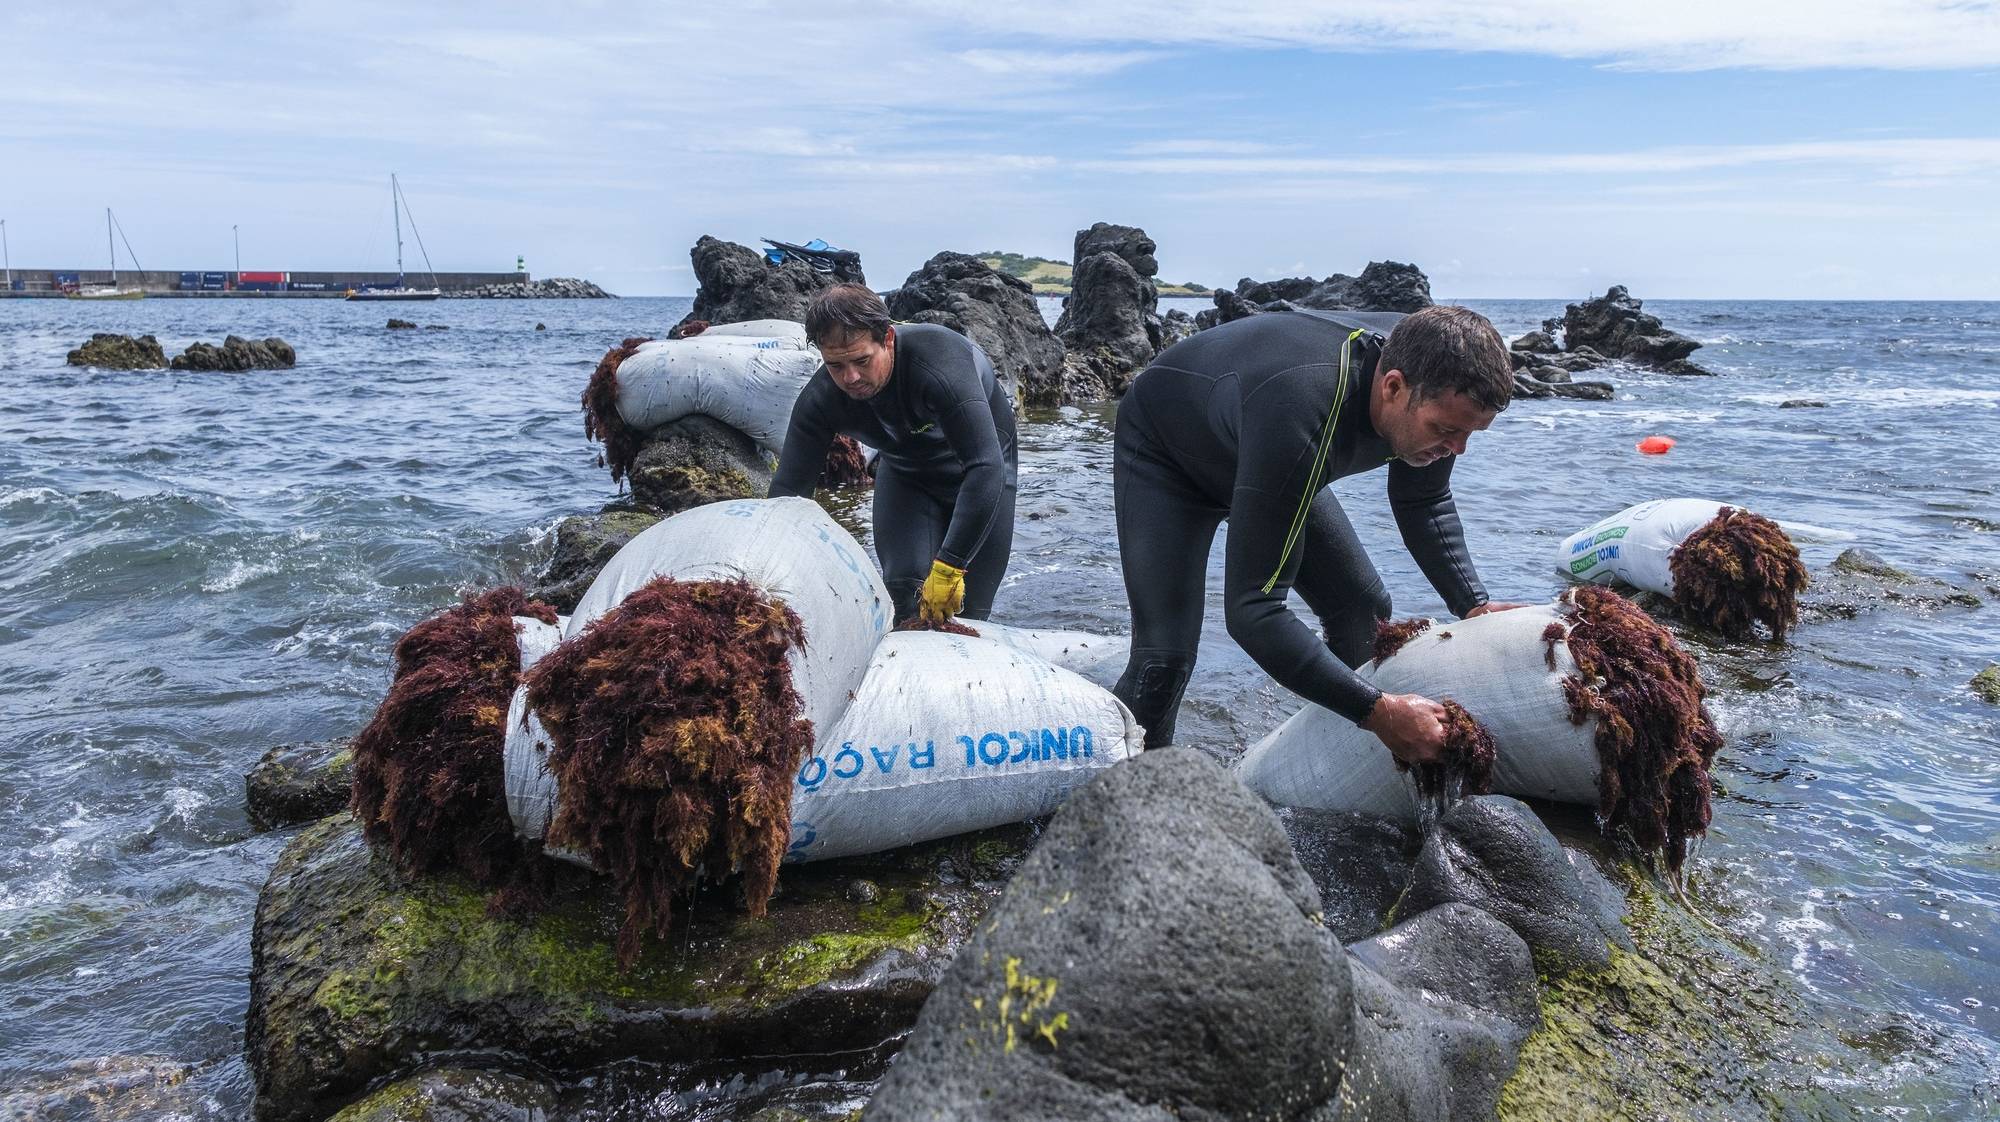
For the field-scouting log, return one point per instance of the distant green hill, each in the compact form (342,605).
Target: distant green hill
(1051,278)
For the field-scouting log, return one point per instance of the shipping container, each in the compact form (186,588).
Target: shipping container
(309,286)
(214,278)
(244,279)
(260,286)
(190,282)
(212,286)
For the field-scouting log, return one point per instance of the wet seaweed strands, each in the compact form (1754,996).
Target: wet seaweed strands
(1391,637)
(429,770)
(1655,741)
(600,412)
(675,736)
(846,465)
(945,626)
(1737,571)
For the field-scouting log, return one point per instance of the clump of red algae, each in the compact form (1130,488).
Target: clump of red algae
(600,412)
(675,733)
(1737,571)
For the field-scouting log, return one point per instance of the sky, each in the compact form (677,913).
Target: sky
(1794,149)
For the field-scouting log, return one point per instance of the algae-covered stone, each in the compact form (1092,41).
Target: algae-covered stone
(105,1089)
(584,543)
(695,461)
(297,783)
(454,1095)
(108,351)
(1986,684)
(358,973)
(1860,580)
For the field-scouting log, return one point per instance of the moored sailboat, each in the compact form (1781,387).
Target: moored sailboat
(397,206)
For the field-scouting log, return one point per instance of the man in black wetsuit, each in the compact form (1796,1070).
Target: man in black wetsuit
(1249,422)
(927,399)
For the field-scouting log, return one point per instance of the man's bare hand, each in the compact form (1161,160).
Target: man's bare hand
(1492,607)
(1411,725)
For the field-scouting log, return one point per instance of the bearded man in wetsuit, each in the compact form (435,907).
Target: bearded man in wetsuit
(1249,421)
(927,399)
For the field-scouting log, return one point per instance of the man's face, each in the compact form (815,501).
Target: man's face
(1422,433)
(859,365)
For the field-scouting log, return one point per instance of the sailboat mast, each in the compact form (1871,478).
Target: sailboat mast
(112,246)
(396,211)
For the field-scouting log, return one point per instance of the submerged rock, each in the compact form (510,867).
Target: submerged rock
(105,1089)
(237,353)
(994,310)
(1860,580)
(695,461)
(584,543)
(738,283)
(359,973)
(297,783)
(1986,684)
(455,1095)
(120,352)
(401,324)
(1615,326)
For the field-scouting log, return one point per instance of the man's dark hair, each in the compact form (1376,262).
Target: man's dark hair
(1447,349)
(843,309)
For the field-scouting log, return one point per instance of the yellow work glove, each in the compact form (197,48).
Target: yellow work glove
(943,593)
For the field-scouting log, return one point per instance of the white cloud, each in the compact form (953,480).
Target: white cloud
(1651,34)
(1043,66)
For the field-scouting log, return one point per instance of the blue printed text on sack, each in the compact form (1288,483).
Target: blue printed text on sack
(991,750)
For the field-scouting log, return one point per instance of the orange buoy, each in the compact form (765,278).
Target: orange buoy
(1656,445)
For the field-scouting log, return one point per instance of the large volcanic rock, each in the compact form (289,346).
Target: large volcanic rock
(1384,286)
(1615,327)
(738,283)
(1110,325)
(584,544)
(238,353)
(361,975)
(994,310)
(695,461)
(120,352)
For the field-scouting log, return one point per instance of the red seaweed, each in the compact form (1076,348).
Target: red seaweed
(600,412)
(1737,571)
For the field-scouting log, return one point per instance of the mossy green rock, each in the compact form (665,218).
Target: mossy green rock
(584,543)
(454,1095)
(1986,684)
(297,783)
(358,972)
(695,461)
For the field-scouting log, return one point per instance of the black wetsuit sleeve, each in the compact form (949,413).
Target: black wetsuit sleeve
(1428,519)
(957,398)
(807,440)
(1276,454)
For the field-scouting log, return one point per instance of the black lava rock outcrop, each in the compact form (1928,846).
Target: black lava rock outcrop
(297,783)
(738,283)
(238,353)
(120,352)
(400,324)
(1384,286)
(554,288)
(1110,325)
(994,310)
(1615,326)
(584,544)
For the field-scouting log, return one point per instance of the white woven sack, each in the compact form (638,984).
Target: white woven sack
(771,332)
(746,382)
(950,734)
(1496,666)
(1634,544)
(1098,658)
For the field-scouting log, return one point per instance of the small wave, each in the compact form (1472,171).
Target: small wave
(240,573)
(1887,397)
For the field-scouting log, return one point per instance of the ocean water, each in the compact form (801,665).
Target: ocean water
(194,567)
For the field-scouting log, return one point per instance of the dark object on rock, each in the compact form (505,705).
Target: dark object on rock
(1535,342)
(400,324)
(1614,326)
(688,328)
(455,1095)
(994,310)
(429,781)
(583,545)
(947,626)
(738,283)
(1986,684)
(553,288)
(541,327)
(1801,403)
(360,975)
(1493,853)
(846,465)
(237,353)
(861,890)
(120,352)
(675,733)
(1655,741)
(601,420)
(297,783)
(1158,955)
(695,461)
(1736,572)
